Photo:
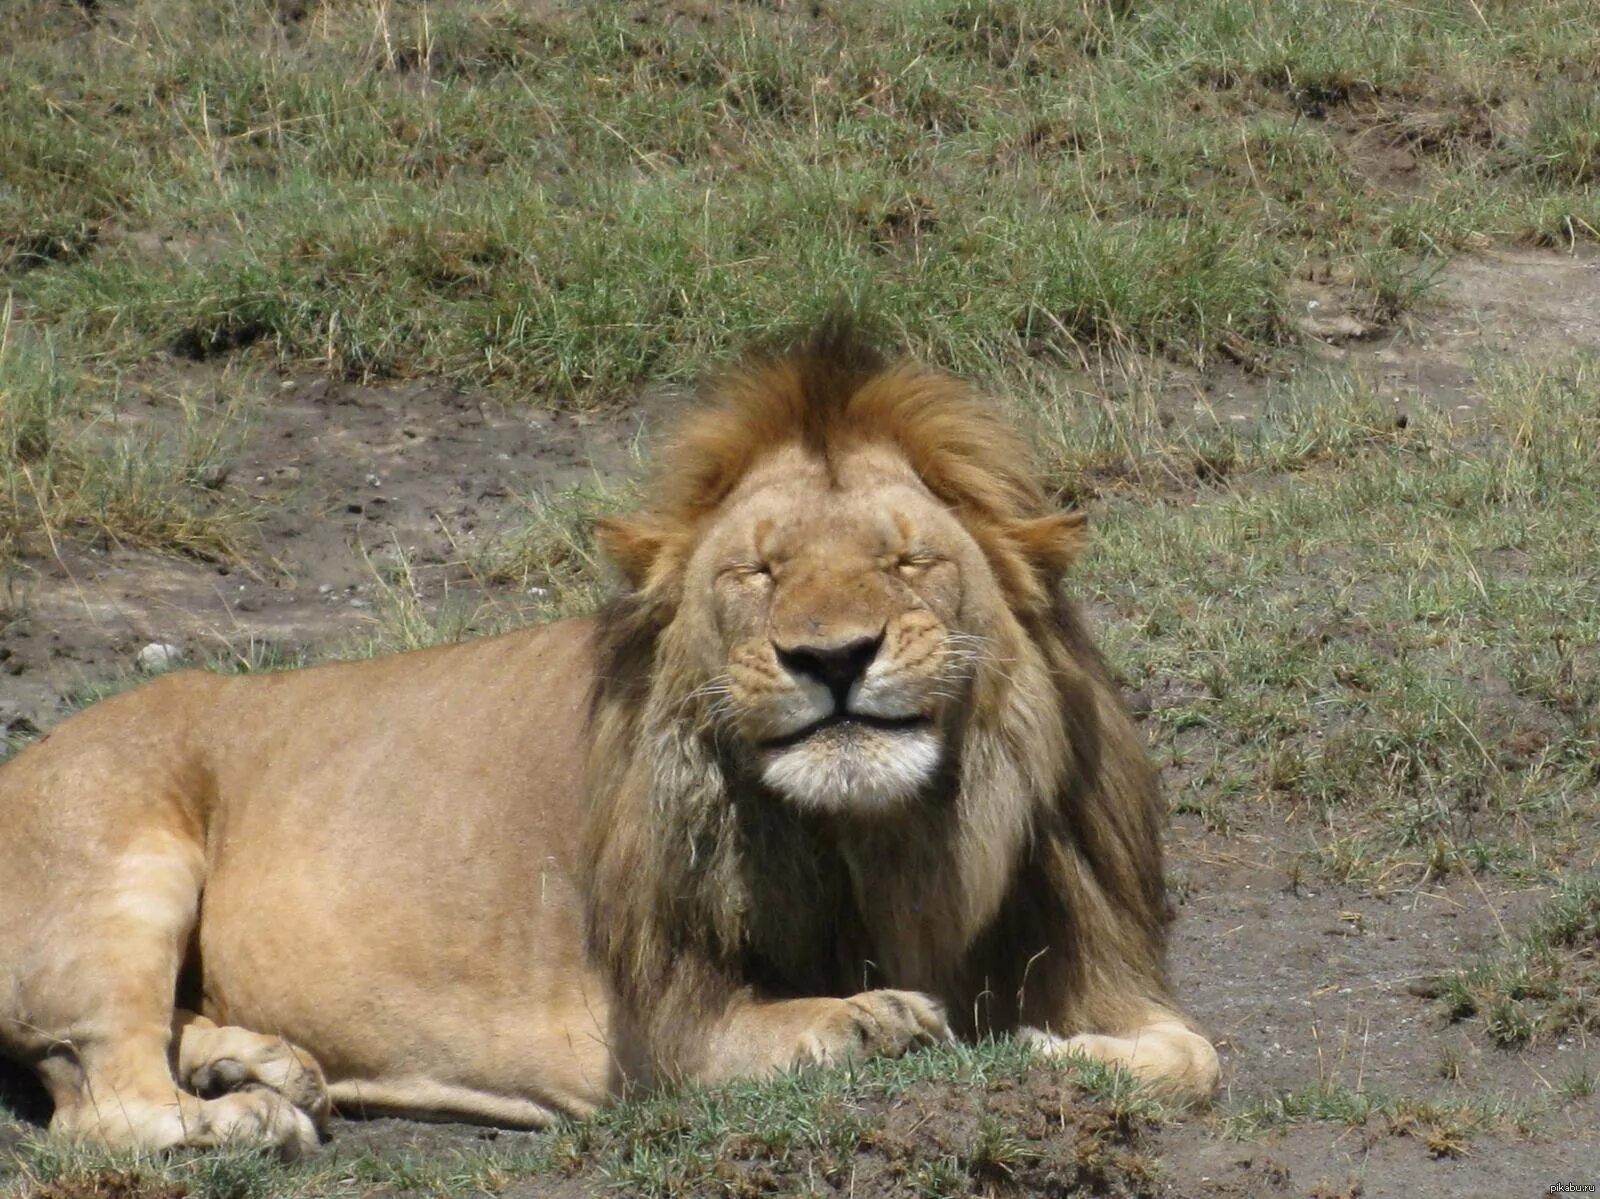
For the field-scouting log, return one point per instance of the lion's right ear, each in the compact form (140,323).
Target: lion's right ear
(635,544)
(1052,542)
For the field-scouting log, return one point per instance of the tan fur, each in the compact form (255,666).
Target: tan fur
(226,902)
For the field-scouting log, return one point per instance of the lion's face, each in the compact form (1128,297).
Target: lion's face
(832,628)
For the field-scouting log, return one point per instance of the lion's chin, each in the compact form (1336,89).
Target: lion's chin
(855,768)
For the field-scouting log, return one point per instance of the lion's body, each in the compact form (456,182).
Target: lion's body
(842,733)
(355,884)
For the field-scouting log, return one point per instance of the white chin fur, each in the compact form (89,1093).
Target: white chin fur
(884,772)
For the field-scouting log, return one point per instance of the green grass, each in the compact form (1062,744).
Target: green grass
(568,202)
(1378,632)
(890,1119)
(1543,986)
(551,553)
(1446,1128)
(563,204)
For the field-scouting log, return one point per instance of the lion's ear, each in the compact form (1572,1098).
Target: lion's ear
(634,544)
(1052,542)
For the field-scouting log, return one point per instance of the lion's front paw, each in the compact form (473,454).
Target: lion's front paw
(1173,1059)
(873,1024)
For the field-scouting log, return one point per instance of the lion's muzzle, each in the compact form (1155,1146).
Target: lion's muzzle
(847,727)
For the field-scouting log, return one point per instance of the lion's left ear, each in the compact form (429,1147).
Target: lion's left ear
(634,544)
(1052,542)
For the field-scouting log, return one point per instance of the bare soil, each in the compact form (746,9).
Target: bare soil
(350,480)
(1304,985)
(1508,304)
(1311,985)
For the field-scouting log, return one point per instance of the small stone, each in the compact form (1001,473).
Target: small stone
(1336,327)
(158,655)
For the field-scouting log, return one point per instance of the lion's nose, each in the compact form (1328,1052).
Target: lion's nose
(836,667)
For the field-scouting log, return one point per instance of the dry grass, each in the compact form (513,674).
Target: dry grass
(76,460)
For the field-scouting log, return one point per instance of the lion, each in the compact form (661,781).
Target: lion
(838,773)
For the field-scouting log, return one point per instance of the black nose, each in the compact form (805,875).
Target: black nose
(836,667)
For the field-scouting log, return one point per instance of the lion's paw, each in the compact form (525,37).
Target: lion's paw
(218,1061)
(258,1117)
(1167,1055)
(874,1024)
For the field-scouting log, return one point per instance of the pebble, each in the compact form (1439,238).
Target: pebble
(158,655)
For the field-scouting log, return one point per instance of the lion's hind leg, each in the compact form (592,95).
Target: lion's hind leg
(103,829)
(122,1094)
(96,1017)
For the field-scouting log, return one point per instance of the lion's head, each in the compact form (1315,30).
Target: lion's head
(843,548)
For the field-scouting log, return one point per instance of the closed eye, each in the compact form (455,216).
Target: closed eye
(742,571)
(916,563)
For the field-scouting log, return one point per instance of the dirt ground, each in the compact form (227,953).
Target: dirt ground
(1309,985)
(1301,983)
(350,479)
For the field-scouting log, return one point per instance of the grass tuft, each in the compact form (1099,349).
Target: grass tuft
(1446,1128)
(1543,987)
(69,465)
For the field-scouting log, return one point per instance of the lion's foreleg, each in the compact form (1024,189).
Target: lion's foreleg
(756,1038)
(1173,1059)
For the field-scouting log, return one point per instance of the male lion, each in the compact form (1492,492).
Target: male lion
(856,779)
